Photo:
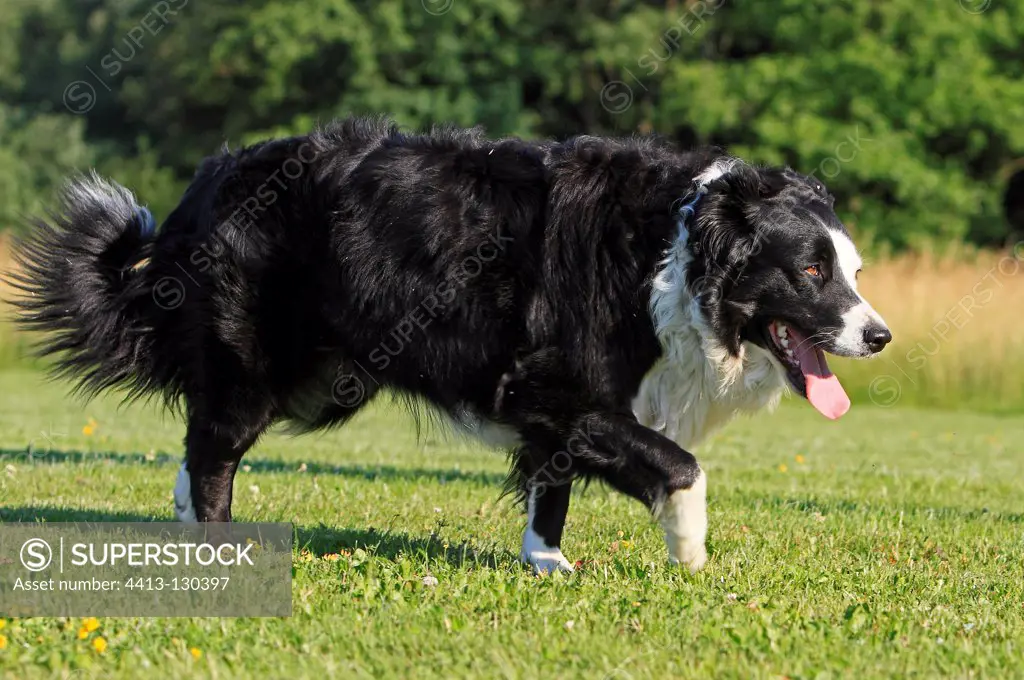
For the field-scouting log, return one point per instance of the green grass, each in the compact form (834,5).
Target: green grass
(895,549)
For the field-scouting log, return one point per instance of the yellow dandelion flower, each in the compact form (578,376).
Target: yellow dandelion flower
(91,624)
(82,633)
(88,430)
(783,468)
(2,623)
(99,644)
(195,652)
(3,642)
(800,459)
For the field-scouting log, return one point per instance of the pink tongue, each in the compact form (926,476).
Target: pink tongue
(823,388)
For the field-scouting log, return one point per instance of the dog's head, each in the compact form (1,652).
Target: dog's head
(774,270)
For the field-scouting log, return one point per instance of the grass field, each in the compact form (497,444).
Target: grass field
(889,544)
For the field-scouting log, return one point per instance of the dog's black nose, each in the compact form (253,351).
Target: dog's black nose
(877,337)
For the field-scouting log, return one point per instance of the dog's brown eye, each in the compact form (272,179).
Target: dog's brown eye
(813,270)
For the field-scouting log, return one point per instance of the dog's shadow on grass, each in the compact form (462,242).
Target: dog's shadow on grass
(52,513)
(319,541)
(260,466)
(57,457)
(393,546)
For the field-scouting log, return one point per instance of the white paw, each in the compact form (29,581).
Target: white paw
(684,518)
(693,556)
(543,558)
(183,507)
(546,561)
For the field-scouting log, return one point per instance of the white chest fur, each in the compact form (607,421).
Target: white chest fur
(697,386)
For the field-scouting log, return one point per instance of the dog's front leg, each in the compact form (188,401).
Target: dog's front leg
(546,508)
(635,460)
(546,485)
(655,470)
(592,436)
(684,517)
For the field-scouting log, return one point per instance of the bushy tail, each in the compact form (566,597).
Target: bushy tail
(82,284)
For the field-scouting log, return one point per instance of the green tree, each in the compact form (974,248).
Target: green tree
(912,111)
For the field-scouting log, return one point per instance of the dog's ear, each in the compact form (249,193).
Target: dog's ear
(722,253)
(727,235)
(726,314)
(771,181)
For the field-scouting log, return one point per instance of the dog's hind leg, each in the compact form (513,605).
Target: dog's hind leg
(202,492)
(213,449)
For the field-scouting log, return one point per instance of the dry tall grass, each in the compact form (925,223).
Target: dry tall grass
(13,348)
(958,329)
(957,322)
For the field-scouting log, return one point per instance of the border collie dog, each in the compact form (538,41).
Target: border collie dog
(597,306)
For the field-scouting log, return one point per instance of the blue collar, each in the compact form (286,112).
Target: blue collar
(689,209)
(147,225)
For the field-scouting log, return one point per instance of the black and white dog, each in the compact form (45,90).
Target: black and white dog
(597,305)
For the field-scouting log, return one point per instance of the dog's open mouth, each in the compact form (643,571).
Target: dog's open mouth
(807,369)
